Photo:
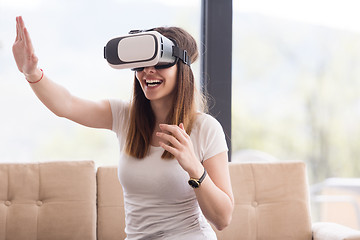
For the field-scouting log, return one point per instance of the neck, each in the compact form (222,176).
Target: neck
(161,110)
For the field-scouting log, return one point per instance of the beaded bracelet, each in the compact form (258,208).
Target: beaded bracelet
(42,75)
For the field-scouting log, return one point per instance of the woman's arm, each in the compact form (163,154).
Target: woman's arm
(52,95)
(214,195)
(61,102)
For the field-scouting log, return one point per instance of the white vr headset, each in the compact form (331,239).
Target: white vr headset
(142,49)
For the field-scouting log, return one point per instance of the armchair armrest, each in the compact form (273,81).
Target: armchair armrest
(333,231)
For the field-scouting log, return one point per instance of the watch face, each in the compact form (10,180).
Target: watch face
(193,183)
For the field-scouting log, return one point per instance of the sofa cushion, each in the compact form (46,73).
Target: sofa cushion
(271,202)
(53,200)
(111,215)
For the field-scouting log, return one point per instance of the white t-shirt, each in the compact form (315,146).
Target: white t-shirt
(159,203)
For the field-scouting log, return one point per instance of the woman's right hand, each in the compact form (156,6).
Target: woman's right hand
(23,51)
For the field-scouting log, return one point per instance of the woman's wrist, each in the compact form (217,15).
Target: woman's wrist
(196,171)
(34,77)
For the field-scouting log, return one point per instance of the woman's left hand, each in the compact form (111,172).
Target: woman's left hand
(176,141)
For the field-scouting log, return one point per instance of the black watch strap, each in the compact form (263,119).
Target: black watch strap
(203,176)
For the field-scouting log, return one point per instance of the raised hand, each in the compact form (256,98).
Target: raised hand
(175,140)
(23,51)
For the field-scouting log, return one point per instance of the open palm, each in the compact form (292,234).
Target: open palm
(23,50)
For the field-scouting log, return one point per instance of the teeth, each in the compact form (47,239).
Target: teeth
(153,81)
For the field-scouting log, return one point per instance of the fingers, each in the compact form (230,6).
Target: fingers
(168,148)
(21,27)
(28,40)
(177,132)
(17,30)
(169,138)
(22,34)
(23,50)
(174,135)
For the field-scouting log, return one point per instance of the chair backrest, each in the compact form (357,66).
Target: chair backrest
(271,202)
(54,200)
(111,215)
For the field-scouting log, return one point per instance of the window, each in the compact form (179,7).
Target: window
(68,37)
(296,84)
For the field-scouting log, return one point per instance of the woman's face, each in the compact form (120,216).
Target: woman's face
(158,84)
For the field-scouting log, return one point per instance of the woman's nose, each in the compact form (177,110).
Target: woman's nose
(151,69)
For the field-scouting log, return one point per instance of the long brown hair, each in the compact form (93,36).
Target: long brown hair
(142,118)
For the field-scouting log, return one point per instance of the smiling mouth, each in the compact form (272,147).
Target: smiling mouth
(153,83)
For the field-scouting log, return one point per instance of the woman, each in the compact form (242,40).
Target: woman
(164,142)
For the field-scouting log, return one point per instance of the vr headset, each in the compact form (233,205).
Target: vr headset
(142,49)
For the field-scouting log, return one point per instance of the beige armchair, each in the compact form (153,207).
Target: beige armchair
(70,200)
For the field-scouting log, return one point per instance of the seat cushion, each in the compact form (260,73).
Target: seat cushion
(54,200)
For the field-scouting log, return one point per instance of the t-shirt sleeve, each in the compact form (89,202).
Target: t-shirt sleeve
(120,115)
(213,139)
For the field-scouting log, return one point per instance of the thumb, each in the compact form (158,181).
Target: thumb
(34,58)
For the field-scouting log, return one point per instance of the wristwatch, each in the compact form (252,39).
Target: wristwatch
(195,183)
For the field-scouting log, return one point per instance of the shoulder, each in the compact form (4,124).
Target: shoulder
(120,114)
(208,136)
(119,108)
(205,121)
(117,104)
(206,125)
